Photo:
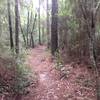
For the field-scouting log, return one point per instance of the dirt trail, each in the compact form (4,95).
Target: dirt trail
(50,87)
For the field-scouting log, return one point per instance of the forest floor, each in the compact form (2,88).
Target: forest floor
(78,85)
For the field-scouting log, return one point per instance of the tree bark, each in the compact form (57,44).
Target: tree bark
(28,28)
(16,27)
(90,21)
(54,27)
(43,35)
(39,24)
(32,38)
(48,23)
(23,35)
(93,58)
(10,26)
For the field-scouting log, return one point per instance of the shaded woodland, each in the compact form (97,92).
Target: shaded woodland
(64,34)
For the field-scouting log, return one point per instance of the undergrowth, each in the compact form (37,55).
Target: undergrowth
(58,61)
(22,75)
(15,74)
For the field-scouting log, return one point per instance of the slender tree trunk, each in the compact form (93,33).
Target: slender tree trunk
(23,35)
(10,26)
(39,24)
(43,35)
(48,23)
(31,23)
(22,32)
(92,51)
(54,27)
(28,28)
(90,21)
(32,38)
(94,64)
(16,27)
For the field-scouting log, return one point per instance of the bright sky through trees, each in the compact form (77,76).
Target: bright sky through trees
(36,4)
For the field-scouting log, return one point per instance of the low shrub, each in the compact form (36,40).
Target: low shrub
(58,61)
(14,76)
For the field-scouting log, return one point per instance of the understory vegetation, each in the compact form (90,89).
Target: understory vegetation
(15,75)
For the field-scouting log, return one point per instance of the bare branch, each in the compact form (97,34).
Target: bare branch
(97,8)
(83,11)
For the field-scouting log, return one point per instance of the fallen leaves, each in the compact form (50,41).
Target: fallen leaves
(77,85)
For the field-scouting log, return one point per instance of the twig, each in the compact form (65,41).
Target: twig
(97,8)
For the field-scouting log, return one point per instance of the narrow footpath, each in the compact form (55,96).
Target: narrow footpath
(51,87)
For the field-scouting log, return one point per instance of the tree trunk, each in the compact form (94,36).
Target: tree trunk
(28,28)
(32,38)
(22,32)
(39,24)
(93,60)
(23,35)
(43,35)
(10,26)
(54,27)
(16,27)
(48,23)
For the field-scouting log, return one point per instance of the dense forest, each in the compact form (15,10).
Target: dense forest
(49,49)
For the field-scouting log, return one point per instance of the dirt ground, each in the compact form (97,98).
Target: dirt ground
(78,85)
